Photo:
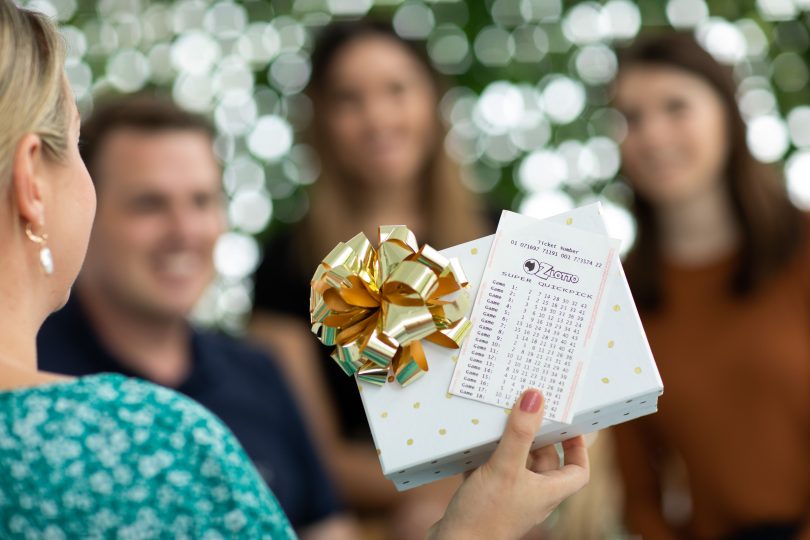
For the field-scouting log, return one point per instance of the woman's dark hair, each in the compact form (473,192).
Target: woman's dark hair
(769,225)
(333,37)
(452,213)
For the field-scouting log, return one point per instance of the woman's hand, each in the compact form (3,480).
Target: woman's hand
(517,488)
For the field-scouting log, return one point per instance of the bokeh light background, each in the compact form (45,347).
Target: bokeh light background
(528,113)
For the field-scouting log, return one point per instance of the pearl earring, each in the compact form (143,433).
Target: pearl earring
(45,256)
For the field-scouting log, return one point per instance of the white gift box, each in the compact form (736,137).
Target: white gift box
(423,433)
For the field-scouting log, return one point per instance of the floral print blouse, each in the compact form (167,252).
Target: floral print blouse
(106,456)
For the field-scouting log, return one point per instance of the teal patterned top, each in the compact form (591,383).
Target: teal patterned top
(110,457)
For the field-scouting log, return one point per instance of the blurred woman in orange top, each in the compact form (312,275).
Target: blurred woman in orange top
(721,275)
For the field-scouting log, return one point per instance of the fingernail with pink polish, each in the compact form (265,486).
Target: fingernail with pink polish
(531,401)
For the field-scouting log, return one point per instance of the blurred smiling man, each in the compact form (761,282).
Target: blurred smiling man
(152,245)
(160,212)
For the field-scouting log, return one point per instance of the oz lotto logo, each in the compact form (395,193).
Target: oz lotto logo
(544,271)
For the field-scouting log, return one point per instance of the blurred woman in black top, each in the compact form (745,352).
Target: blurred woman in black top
(378,135)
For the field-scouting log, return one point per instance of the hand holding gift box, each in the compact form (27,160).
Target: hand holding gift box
(603,375)
(517,488)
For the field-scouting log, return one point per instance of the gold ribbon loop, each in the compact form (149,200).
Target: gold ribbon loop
(411,365)
(406,324)
(347,358)
(410,284)
(398,234)
(380,349)
(376,306)
(373,374)
(453,336)
(359,294)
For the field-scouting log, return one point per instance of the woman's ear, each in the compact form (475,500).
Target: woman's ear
(26,180)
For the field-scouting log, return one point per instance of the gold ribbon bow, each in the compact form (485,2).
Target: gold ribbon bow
(376,305)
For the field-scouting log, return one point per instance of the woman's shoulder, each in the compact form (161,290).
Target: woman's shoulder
(104,451)
(92,399)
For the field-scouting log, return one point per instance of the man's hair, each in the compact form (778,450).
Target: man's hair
(140,112)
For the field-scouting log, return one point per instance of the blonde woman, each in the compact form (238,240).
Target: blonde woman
(105,456)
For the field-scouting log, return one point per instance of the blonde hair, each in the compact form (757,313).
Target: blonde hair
(33,90)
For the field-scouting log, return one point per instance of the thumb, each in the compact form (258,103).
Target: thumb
(523,424)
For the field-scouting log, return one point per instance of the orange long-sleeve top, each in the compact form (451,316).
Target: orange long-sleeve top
(735,413)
